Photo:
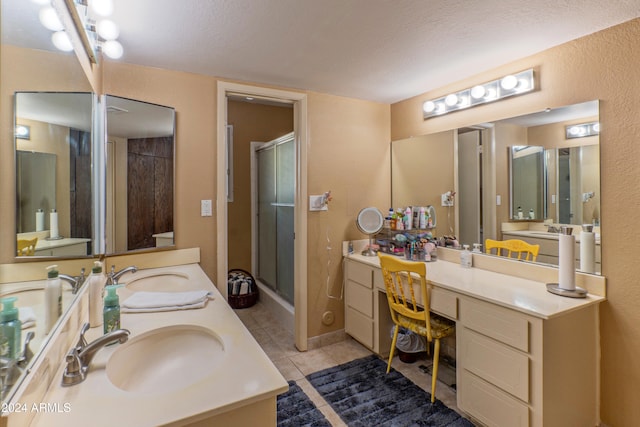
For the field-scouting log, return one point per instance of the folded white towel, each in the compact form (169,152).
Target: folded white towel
(27,317)
(144,302)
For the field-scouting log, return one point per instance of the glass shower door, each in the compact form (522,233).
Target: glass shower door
(276,196)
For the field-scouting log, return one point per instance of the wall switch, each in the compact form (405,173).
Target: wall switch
(206,208)
(318,203)
(498,200)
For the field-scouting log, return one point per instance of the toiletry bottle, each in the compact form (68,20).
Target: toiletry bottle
(532,215)
(10,330)
(394,218)
(52,298)
(408,218)
(111,312)
(465,257)
(476,248)
(520,213)
(399,219)
(422,224)
(97,281)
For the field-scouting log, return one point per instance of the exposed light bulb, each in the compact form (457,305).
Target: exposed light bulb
(21,130)
(102,7)
(440,108)
(108,30)
(573,130)
(596,127)
(478,92)
(491,94)
(113,49)
(464,101)
(62,41)
(451,99)
(509,82)
(428,106)
(49,18)
(523,84)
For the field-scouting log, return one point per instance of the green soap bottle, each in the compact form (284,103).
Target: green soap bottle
(10,329)
(111,311)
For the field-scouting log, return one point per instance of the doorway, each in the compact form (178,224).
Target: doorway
(299,101)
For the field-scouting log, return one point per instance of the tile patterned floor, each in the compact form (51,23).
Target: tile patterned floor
(278,344)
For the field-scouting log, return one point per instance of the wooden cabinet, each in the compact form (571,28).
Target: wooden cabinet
(514,369)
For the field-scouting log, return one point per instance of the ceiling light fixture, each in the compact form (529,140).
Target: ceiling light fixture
(510,85)
(61,40)
(582,130)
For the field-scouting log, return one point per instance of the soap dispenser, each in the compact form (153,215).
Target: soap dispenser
(111,312)
(10,329)
(52,298)
(97,281)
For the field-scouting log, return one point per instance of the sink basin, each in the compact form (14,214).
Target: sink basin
(158,282)
(165,359)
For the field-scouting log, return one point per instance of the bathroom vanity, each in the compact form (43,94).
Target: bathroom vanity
(525,357)
(196,367)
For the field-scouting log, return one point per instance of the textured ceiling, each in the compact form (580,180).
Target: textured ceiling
(380,50)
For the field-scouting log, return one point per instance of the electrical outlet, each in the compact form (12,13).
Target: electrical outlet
(318,203)
(447,199)
(206,208)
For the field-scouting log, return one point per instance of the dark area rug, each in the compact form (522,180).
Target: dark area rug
(295,409)
(364,395)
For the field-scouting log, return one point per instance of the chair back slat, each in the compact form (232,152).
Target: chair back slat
(513,248)
(403,280)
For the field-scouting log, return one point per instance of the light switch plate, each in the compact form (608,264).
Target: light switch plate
(206,208)
(498,200)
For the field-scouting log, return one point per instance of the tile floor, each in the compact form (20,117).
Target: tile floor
(278,344)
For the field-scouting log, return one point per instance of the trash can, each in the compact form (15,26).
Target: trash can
(409,344)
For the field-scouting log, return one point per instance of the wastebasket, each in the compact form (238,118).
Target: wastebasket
(409,344)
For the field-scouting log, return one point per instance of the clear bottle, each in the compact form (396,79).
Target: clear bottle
(422,218)
(466,257)
(111,311)
(532,215)
(52,298)
(520,213)
(10,330)
(477,248)
(97,280)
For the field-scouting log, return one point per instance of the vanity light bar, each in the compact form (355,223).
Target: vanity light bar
(513,84)
(582,130)
(23,132)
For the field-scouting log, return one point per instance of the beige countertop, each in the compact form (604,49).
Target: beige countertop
(242,375)
(528,296)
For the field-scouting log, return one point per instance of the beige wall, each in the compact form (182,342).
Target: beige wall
(22,70)
(251,122)
(348,154)
(601,66)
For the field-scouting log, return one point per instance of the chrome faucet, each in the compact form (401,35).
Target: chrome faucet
(80,356)
(552,229)
(75,281)
(11,369)
(113,276)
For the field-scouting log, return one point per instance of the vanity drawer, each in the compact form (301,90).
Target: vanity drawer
(378,280)
(496,363)
(360,298)
(360,273)
(444,303)
(490,405)
(504,325)
(359,326)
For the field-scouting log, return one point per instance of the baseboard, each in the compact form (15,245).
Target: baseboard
(326,339)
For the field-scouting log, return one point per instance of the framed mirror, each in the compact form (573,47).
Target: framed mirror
(53,142)
(475,162)
(140,175)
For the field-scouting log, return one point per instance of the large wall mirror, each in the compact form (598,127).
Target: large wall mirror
(542,164)
(53,174)
(140,175)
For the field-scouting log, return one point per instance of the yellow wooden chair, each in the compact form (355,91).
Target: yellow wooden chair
(27,247)
(399,279)
(513,248)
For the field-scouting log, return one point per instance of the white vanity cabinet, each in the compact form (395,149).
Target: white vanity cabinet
(525,357)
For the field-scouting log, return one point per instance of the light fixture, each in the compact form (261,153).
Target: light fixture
(510,85)
(49,18)
(62,41)
(23,132)
(102,7)
(107,29)
(113,49)
(582,130)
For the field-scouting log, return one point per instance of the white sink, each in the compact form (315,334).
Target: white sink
(158,282)
(165,360)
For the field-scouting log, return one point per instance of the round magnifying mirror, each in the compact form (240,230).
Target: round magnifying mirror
(370,221)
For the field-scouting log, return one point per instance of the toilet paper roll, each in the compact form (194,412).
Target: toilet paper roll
(587,252)
(566,262)
(53,223)
(39,220)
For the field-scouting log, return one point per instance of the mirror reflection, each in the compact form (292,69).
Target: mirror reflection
(140,175)
(520,177)
(53,174)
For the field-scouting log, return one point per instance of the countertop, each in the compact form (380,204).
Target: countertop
(243,375)
(525,295)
